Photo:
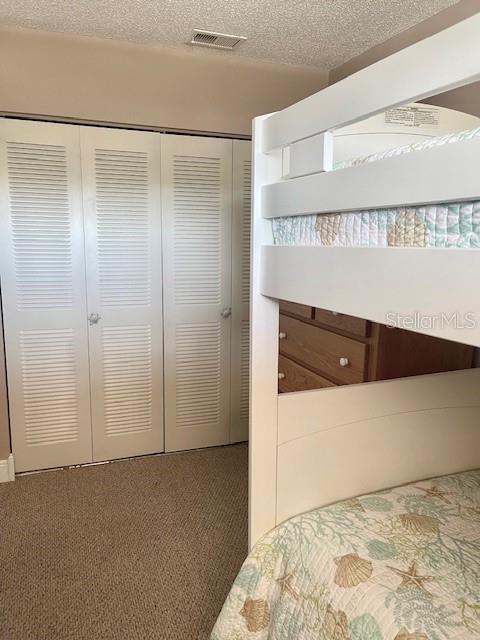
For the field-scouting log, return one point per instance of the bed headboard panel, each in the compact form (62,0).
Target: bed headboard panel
(403,125)
(342,442)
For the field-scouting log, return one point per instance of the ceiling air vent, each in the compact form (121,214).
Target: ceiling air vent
(215,40)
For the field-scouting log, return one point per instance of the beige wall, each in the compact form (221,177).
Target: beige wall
(103,80)
(464,99)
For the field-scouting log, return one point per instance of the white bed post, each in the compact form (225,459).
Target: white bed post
(263,356)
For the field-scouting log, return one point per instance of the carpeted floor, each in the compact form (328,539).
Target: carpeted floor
(141,549)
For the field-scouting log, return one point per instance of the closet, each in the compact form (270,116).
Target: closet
(125,269)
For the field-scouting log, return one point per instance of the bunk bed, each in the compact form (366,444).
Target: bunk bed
(364,502)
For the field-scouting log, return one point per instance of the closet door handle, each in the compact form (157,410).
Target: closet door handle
(93,318)
(226,313)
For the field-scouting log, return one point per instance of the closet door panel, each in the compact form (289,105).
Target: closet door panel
(196,211)
(241,218)
(121,175)
(43,294)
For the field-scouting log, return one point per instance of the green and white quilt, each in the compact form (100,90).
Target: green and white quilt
(402,564)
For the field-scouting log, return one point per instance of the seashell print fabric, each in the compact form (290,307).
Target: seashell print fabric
(439,225)
(352,570)
(402,564)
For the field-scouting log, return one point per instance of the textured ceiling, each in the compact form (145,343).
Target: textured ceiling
(321,33)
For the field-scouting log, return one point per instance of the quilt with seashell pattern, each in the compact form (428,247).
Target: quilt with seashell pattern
(401,564)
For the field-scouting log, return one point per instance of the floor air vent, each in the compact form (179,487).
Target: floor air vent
(215,40)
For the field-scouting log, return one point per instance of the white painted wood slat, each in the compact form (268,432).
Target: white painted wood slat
(264,316)
(311,155)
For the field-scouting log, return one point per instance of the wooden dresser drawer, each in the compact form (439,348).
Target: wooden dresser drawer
(342,359)
(294,377)
(296,309)
(342,322)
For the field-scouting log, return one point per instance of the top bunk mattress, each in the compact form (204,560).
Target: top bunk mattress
(402,564)
(439,225)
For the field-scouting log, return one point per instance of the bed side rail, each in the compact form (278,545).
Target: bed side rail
(447,173)
(432,291)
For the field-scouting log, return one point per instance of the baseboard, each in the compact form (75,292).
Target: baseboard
(7,469)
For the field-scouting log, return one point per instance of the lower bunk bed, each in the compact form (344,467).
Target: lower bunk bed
(377,514)
(397,564)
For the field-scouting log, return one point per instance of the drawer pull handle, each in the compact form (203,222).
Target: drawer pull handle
(281,375)
(282,335)
(344,362)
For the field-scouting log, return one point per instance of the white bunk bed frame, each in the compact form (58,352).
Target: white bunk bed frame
(312,448)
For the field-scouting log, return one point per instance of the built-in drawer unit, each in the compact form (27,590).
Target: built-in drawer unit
(342,322)
(292,308)
(292,377)
(339,358)
(318,348)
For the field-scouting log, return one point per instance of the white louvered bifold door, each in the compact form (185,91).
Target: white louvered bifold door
(241,217)
(196,211)
(121,182)
(43,292)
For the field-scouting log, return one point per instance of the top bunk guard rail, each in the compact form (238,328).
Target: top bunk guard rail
(444,61)
(448,173)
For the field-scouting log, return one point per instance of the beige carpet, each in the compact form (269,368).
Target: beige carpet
(138,549)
